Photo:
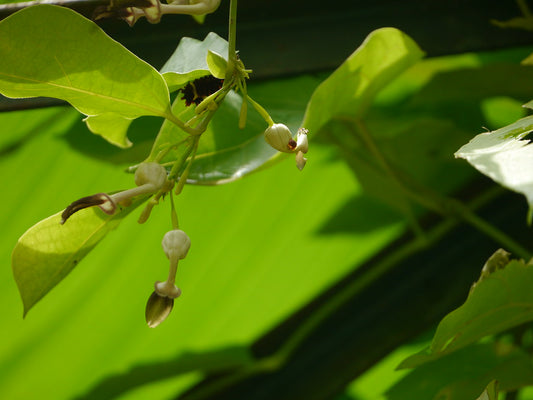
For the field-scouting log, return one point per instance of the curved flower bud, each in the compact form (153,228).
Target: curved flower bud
(176,244)
(149,178)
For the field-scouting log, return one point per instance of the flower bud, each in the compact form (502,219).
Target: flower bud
(302,143)
(157,309)
(300,160)
(151,173)
(279,137)
(176,244)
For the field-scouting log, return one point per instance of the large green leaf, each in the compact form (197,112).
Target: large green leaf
(498,302)
(54,52)
(351,89)
(49,250)
(345,97)
(241,277)
(465,374)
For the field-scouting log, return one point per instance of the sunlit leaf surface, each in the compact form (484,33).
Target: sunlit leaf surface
(191,59)
(256,255)
(49,250)
(505,156)
(72,59)
(383,55)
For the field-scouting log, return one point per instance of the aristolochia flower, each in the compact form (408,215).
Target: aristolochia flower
(149,178)
(280,138)
(176,245)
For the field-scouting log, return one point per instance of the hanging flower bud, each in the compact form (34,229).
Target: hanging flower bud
(176,244)
(157,309)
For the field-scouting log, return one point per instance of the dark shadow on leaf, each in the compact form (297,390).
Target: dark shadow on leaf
(214,361)
(360,214)
(141,132)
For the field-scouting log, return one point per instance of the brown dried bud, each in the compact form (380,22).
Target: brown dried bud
(101,200)
(157,309)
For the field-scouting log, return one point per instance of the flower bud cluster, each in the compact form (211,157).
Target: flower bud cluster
(280,138)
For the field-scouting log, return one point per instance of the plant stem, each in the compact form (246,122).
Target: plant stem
(185,174)
(178,164)
(173,214)
(232,39)
(266,116)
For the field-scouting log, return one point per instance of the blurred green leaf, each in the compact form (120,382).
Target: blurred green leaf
(190,60)
(49,250)
(498,302)
(215,361)
(465,374)
(490,392)
(233,291)
(74,60)
(351,89)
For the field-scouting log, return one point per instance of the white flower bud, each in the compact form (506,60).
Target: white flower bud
(302,144)
(151,173)
(300,160)
(176,244)
(279,137)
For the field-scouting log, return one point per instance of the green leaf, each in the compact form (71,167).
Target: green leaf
(227,281)
(48,251)
(464,375)
(217,64)
(504,156)
(498,302)
(190,60)
(55,52)
(351,89)
(112,127)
